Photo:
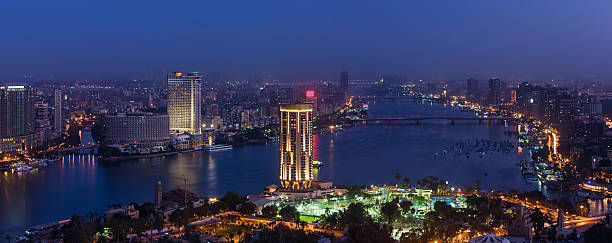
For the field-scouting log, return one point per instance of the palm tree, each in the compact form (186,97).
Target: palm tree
(8,238)
(398,177)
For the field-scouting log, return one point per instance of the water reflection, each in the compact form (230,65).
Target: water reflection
(366,154)
(212,174)
(599,207)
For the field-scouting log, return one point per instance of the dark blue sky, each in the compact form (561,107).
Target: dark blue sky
(421,39)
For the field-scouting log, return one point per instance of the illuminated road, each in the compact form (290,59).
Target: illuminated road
(571,221)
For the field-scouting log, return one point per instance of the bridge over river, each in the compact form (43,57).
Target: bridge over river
(448,118)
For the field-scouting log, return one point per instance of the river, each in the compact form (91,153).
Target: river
(365,154)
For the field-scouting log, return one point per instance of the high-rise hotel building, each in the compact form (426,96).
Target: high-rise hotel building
(142,130)
(17,119)
(185,102)
(296,146)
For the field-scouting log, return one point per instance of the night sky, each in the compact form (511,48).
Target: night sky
(309,39)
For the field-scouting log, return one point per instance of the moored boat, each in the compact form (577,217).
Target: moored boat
(218,147)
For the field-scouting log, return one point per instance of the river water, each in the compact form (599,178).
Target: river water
(366,154)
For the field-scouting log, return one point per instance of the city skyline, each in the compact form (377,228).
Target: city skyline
(306,121)
(518,40)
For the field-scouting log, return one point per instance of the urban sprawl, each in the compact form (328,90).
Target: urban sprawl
(565,126)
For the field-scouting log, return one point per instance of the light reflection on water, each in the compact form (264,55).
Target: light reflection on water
(600,207)
(365,154)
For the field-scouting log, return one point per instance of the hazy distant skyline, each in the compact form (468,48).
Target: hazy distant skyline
(434,40)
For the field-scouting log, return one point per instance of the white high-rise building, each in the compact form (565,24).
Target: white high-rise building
(296,146)
(185,102)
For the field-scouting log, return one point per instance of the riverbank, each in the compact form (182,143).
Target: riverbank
(79,183)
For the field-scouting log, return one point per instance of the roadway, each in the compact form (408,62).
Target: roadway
(571,221)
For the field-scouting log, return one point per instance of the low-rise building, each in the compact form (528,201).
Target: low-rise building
(126,210)
(187,141)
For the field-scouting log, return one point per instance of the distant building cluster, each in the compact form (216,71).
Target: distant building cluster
(25,122)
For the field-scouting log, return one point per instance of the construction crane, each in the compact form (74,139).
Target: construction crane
(184,179)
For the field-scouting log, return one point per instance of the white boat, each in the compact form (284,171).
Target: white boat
(23,168)
(217,147)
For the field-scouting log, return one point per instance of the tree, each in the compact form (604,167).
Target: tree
(289,213)
(192,237)
(8,238)
(598,233)
(361,227)
(247,208)
(231,200)
(282,233)
(353,191)
(538,220)
(391,211)
(485,181)
(97,130)
(477,186)
(436,184)
(270,211)
(179,217)
(406,207)
(369,231)
(398,176)
(534,195)
(412,236)
(333,220)
(120,226)
(406,182)
(73,138)
(354,213)
(145,209)
(566,204)
(442,224)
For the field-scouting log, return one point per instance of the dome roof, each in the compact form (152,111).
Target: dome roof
(489,239)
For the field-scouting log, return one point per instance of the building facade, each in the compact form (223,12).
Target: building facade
(17,119)
(296,146)
(143,130)
(58,118)
(43,123)
(185,102)
(344,82)
(496,91)
(472,89)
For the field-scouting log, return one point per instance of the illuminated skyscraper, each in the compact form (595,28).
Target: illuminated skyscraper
(184,102)
(17,119)
(296,146)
